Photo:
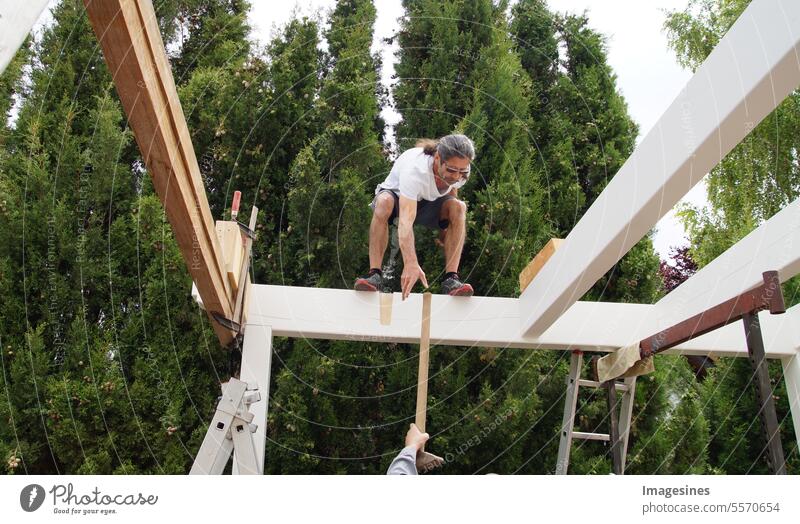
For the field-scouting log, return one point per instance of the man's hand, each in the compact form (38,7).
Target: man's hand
(411,273)
(416,438)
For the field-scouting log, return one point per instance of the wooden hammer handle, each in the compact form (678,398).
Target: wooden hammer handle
(424,351)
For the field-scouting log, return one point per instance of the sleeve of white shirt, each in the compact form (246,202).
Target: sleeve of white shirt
(405,463)
(409,186)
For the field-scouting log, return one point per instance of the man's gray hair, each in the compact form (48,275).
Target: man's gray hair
(450,146)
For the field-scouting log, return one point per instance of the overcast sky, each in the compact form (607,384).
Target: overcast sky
(648,74)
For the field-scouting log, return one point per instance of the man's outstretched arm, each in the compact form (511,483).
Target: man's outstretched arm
(405,229)
(406,461)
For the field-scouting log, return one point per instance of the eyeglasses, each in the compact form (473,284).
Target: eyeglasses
(462,173)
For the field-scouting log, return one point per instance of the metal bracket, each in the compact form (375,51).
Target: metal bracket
(226,322)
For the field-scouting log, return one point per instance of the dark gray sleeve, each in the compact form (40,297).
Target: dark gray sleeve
(405,463)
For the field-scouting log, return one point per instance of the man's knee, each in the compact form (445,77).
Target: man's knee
(454,209)
(384,205)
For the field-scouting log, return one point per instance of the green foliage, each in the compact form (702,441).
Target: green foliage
(440,44)
(94,288)
(111,369)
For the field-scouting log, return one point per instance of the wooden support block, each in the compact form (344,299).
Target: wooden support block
(230,239)
(129,36)
(386,308)
(538,262)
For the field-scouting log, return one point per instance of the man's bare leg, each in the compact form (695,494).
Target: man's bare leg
(456,213)
(379,230)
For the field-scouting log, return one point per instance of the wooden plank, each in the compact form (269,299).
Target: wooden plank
(730,93)
(240,308)
(424,357)
(765,394)
(16,21)
(386,308)
(342,314)
(538,262)
(774,245)
(230,239)
(767,297)
(134,52)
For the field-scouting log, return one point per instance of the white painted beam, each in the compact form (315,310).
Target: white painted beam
(791,374)
(339,314)
(775,245)
(16,20)
(754,67)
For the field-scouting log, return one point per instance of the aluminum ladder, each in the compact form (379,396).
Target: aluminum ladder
(619,424)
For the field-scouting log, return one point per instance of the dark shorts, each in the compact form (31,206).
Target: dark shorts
(428,212)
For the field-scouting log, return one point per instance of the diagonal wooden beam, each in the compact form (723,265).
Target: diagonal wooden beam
(768,296)
(775,244)
(134,52)
(752,69)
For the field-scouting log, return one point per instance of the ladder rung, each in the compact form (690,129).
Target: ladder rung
(591,436)
(594,384)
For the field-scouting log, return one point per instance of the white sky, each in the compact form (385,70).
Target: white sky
(648,75)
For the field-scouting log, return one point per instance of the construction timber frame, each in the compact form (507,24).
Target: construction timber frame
(752,69)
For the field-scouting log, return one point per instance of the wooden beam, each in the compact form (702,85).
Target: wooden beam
(752,69)
(775,244)
(765,395)
(768,296)
(341,314)
(16,21)
(134,52)
(538,262)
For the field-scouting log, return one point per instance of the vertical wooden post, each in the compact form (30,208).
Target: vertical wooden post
(766,404)
(424,353)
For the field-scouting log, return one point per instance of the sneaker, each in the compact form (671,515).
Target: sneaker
(372,282)
(454,287)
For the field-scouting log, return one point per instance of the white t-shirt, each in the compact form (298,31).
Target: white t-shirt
(412,177)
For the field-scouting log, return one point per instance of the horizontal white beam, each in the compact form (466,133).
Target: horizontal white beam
(774,245)
(752,69)
(339,314)
(16,21)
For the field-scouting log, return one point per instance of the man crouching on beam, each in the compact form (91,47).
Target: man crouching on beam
(422,188)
